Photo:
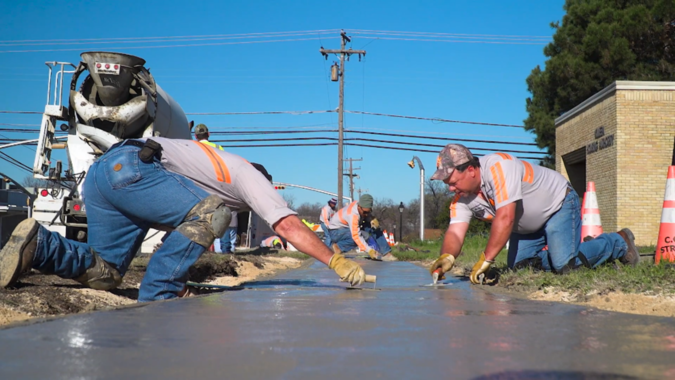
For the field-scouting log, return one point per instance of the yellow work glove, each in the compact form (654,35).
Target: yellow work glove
(374,224)
(374,255)
(348,270)
(444,263)
(479,268)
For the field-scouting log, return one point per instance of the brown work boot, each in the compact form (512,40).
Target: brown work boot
(336,249)
(389,257)
(16,256)
(632,256)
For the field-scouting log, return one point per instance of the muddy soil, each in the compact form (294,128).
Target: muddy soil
(36,295)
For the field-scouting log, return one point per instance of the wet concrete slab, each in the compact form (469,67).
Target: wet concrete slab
(306,325)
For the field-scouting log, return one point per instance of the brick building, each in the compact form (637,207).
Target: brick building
(623,139)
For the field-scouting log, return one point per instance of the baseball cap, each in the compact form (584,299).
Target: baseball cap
(201,129)
(450,157)
(366,201)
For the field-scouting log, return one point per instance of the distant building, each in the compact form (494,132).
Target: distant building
(623,139)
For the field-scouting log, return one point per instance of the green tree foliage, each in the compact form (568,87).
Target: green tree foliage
(599,42)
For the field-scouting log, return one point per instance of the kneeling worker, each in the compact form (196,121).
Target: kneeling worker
(179,185)
(346,234)
(527,204)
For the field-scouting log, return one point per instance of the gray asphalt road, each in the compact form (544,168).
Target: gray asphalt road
(306,325)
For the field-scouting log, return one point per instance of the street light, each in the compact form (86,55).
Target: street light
(400,229)
(412,165)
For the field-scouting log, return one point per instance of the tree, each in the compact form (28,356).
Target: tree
(599,42)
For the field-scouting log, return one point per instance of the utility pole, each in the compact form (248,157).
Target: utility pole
(360,190)
(341,76)
(351,175)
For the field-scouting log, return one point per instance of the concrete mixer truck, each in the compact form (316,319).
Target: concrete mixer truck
(116,100)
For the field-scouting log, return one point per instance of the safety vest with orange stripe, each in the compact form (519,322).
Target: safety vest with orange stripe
(212,145)
(506,179)
(327,212)
(349,217)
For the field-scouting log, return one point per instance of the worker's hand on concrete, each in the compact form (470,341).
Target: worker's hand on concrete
(374,255)
(348,270)
(479,268)
(374,224)
(444,263)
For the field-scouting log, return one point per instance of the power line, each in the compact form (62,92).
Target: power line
(441,146)
(161,46)
(262,34)
(441,138)
(23,112)
(259,113)
(434,34)
(435,119)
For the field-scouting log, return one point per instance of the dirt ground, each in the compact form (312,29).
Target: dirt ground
(42,296)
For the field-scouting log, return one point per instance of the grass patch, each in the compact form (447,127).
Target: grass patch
(645,278)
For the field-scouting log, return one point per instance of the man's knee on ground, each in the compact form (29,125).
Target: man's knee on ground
(206,221)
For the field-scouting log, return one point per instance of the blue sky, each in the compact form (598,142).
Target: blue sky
(451,80)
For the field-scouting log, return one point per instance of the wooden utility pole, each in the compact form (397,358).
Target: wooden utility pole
(351,175)
(342,52)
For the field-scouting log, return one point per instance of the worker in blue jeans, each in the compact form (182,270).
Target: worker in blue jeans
(159,183)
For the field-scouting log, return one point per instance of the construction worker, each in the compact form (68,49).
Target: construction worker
(202,135)
(179,185)
(528,204)
(227,242)
(272,242)
(327,212)
(346,233)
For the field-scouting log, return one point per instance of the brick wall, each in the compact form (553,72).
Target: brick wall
(630,175)
(645,141)
(600,166)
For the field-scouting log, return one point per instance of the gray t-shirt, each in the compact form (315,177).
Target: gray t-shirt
(504,179)
(240,185)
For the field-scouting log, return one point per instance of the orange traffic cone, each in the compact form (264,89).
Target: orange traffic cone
(665,248)
(386,237)
(590,214)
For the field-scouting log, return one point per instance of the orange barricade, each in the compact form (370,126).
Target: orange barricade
(665,248)
(590,214)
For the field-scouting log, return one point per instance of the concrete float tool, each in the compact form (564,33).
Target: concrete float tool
(369,278)
(435,275)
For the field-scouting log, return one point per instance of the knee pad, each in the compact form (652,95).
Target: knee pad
(100,275)
(206,221)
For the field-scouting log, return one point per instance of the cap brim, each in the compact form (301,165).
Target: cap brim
(440,175)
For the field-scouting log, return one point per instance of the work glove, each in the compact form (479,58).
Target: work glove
(374,255)
(444,263)
(348,270)
(479,268)
(374,224)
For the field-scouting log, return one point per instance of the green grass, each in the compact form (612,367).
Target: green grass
(645,278)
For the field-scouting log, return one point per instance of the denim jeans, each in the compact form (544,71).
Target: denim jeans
(343,238)
(228,241)
(124,197)
(326,235)
(562,234)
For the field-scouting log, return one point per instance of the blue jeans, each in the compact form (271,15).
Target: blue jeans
(124,197)
(228,241)
(562,234)
(343,238)
(326,235)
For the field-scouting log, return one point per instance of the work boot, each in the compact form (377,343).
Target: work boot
(100,275)
(389,257)
(632,256)
(16,256)
(336,249)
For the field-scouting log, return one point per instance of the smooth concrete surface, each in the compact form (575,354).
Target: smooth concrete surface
(306,325)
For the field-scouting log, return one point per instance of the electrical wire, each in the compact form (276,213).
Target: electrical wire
(435,119)
(440,138)
(260,113)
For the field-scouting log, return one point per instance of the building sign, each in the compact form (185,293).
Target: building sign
(601,141)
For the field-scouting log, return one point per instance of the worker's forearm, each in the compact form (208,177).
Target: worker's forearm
(306,241)
(499,235)
(451,244)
